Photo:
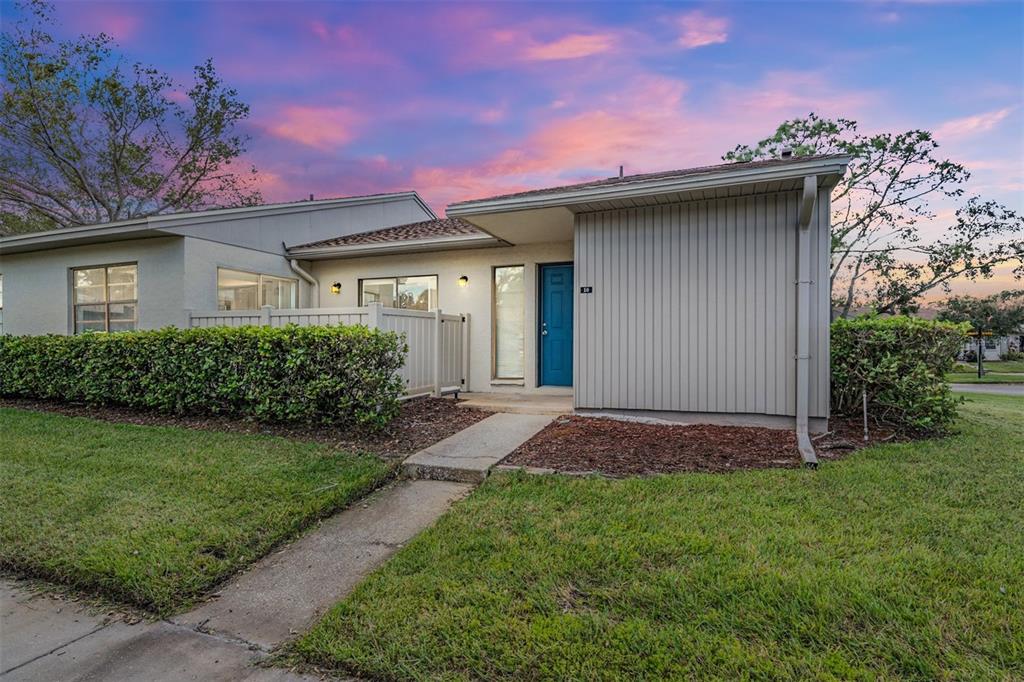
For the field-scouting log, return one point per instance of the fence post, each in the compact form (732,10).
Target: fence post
(373,318)
(437,353)
(265,315)
(465,352)
(188,318)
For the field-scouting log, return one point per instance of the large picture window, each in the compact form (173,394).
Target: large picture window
(509,322)
(412,293)
(240,290)
(106,298)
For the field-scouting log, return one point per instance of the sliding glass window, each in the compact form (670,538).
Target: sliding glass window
(106,298)
(411,293)
(240,290)
(509,322)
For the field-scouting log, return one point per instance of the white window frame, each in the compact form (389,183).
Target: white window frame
(395,278)
(259,285)
(106,295)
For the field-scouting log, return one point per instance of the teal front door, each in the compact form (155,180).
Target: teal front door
(556,325)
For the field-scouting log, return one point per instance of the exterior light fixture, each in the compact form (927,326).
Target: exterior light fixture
(335,287)
(464,281)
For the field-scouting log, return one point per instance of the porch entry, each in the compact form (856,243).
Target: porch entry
(556,297)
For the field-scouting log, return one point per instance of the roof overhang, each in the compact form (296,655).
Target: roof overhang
(387,248)
(549,216)
(172,224)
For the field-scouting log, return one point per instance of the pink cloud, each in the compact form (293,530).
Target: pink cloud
(321,127)
(572,46)
(972,125)
(698,30)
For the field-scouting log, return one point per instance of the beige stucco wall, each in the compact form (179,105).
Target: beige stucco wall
(474,299)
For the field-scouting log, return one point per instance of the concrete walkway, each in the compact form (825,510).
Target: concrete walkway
(998,389)
(42,638)
(554,403)
(469,454)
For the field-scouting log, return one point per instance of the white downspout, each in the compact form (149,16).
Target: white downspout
(314,285)
(803,322)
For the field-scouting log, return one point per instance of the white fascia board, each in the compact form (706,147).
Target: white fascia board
(628,190)
(384,248)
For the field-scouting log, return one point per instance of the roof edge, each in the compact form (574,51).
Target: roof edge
(835,164)
(383,248)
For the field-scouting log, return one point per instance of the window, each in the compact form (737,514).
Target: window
(412,293)
(509,322)
(240,290)
(106,298)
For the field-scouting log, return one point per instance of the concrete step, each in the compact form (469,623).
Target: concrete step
(469,455)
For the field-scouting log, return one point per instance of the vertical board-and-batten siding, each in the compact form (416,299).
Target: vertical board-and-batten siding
(694,306)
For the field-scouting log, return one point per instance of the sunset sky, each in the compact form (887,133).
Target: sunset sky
(465,100)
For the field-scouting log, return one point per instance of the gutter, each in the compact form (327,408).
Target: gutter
(293,263)
(803,321)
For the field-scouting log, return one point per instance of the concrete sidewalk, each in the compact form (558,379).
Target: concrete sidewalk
(469,454)
(43,638)
(997,389)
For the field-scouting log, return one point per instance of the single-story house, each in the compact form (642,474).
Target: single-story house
(695,294)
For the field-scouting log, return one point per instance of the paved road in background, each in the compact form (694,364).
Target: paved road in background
(1000,389)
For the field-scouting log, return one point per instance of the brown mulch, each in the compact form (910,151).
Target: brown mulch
(420,423)
(614,447)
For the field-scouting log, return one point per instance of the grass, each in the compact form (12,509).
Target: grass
(996,372)
(904,561)
(156,516)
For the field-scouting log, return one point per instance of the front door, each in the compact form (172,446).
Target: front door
(556,325)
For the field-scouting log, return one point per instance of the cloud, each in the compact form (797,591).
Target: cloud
(572,46)
(320,127)
(698,30)
(971,125)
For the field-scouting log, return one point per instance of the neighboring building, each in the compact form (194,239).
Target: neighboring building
(698,294)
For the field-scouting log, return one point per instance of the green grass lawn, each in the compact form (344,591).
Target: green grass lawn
(902,561)
(988,378)
(156,516)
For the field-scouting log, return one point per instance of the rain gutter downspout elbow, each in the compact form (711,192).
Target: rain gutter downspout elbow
(803,322)
(293,263)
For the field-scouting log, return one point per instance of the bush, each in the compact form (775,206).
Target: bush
(337,374)
(901,362)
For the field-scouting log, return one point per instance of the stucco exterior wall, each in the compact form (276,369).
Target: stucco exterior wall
(694,307)
(203,257)
(474,299)
(37,285)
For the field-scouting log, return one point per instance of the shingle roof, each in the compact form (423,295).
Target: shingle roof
(428,229)
(661,175)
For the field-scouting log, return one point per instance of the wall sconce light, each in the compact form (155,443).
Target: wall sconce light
(335,287)
(464,281)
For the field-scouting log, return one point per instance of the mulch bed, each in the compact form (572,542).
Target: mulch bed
(421,423)
(614,447)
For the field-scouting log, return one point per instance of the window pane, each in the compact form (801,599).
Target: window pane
(237,290)
(122,283)
(509,322)
(123,317)
(378,291)
(90,285)
(90,318)
(279,292)
(417,293)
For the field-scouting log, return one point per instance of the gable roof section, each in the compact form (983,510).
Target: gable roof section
(427,235)
(159,225)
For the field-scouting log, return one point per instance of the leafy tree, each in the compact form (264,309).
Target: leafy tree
(879,255)
(86,139)
(1000,314)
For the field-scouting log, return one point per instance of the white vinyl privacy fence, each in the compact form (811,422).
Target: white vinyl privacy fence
(438,358)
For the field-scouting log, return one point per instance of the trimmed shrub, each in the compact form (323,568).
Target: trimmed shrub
(336,374)
(901,362)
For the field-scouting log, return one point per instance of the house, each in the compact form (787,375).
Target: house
(697,294)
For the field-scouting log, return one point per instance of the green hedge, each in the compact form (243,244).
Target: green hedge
(337,374)
(901,362)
